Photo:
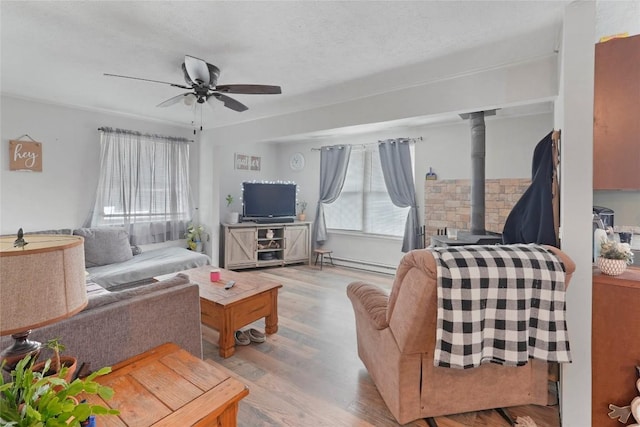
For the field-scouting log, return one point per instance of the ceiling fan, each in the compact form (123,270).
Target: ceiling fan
(202,82)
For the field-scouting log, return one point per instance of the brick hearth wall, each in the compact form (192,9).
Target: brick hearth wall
(447,203)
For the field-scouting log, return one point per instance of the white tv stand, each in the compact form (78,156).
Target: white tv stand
(250,245)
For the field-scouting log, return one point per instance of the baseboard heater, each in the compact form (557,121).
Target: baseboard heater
(365,265)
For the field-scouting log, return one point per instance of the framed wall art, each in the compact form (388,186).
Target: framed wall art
(245,162)
(25,155)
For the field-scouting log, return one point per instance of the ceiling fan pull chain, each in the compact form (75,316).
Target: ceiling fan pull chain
(193,122)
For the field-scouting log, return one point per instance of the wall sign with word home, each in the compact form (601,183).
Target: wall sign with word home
(25,156)
(242,161)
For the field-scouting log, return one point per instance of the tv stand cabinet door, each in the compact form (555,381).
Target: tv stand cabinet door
(297,243)
(240,247)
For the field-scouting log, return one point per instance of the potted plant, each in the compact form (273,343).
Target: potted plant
(614,257)
(58,362)
(33,399)
(302,206)
(194,236)
(232,216)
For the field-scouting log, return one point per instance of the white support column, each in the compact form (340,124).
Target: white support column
(574,116)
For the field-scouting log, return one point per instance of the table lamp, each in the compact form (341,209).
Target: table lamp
(42,281)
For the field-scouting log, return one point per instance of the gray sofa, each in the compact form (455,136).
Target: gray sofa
(143,267)
(114,264)
(117,325)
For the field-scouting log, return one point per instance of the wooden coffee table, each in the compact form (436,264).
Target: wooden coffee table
(226,311)
(168,386)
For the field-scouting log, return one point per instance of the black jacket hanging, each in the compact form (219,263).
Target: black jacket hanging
(531,219)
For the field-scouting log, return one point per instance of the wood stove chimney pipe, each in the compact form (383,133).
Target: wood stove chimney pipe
(478,134)
(477,172)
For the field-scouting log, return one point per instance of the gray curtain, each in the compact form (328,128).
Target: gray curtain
(333,169)
(395,157)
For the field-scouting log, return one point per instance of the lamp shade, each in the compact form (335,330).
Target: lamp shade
(42,282)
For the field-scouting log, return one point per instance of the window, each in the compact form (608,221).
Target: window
(364,204)
(144,186)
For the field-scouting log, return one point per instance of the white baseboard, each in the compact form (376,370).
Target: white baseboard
(364,265)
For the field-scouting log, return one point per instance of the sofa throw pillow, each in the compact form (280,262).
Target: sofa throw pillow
(104,246)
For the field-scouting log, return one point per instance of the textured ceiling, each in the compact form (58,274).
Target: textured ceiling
(320,52)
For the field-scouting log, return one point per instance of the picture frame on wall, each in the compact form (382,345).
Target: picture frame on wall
(255,163)
(25,155)
(245,162)
(241,162)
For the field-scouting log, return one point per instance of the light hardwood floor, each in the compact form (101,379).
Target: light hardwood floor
(309,373)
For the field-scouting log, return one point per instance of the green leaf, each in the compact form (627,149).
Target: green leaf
(105,392)
(53,406)
(57,381)
(91,387)
(75,388)
(99,372)
(82,411)
(32,413)
(101,410)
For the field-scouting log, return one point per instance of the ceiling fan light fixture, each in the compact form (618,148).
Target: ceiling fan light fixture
(189,99)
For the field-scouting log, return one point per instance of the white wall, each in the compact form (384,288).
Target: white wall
(574,116)
(617,17)
(219,177)
(209,194)
(625,204)
(231,179)
(462,91)
(63,193)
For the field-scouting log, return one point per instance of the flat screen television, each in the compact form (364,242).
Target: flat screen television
(265,200)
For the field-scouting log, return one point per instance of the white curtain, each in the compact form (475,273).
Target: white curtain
(143,185)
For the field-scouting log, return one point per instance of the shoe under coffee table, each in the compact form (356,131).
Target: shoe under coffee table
(227,310)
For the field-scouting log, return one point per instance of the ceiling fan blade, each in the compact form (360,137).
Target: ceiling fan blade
(250,89)
(197,70)
(147,80)
(229,102)
(214,73)
(174,100)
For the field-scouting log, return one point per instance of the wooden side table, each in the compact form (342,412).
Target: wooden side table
(168,386)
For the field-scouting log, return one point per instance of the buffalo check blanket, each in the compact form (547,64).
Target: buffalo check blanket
(501,304)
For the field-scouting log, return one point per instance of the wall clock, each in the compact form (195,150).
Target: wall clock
(296,161)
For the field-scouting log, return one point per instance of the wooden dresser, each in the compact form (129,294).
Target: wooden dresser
(615,343)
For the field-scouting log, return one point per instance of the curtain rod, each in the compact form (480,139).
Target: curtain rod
(412,140)
(133,132)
